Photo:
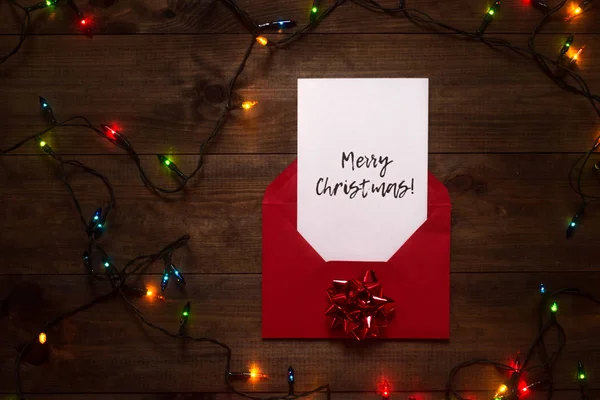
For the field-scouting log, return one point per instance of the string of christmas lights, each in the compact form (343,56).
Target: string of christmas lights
(521,378)
(557,68)
(84,23)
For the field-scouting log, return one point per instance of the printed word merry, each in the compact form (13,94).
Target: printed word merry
(366,161)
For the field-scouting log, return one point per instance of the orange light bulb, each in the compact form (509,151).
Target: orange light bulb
(42,338)
(576,56)
(262,40)
(246,105)
(255,374)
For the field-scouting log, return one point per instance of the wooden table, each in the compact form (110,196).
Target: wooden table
(502,138)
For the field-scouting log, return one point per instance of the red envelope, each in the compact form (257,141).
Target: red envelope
(295,278)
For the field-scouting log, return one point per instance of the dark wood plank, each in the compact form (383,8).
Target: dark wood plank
(558,395)
(492,315)
(510,213)
(166,96)
(211,16)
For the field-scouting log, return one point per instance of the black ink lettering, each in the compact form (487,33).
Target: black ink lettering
(365,192)
(318,182)
(360,161)
(337,186)
(348,158)
(385,161)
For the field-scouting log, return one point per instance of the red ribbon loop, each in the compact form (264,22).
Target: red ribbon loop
(359,306)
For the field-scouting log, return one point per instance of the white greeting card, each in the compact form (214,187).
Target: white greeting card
(362,165)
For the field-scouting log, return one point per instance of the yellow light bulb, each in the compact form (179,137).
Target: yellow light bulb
(262,40)
(149,292)
(576,56)
(42,338)
(578,10)
(246,105)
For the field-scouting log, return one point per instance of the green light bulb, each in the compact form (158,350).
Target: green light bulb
(167,162)
(107,264)
(314,10)
(42,143)
(554,307)
(491,12)
(581,376)
(185,313)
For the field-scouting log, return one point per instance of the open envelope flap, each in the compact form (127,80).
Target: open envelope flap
(284,188)
(295,277)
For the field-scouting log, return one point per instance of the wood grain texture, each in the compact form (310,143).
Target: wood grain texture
(502,139)
(558,395)
(508,211)
(167,97)
(486,310)
(212,16)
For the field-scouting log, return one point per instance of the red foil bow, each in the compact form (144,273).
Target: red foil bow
(360,307)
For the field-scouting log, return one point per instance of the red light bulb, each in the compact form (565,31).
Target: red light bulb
(83,21)
(385,390)
(109,132)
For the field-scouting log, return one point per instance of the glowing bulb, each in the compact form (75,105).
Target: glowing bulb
(580,371)
(83,21)
(149,292)
(314,10)
(554,307)
(491,12)
(501,390)
(42,143)
(255,374)
(110,132)
(385,390)
(262,40)
(542,288)
(185,313)
(42,338)
(246,105)
(576,56)
(578,10)
(106,264)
